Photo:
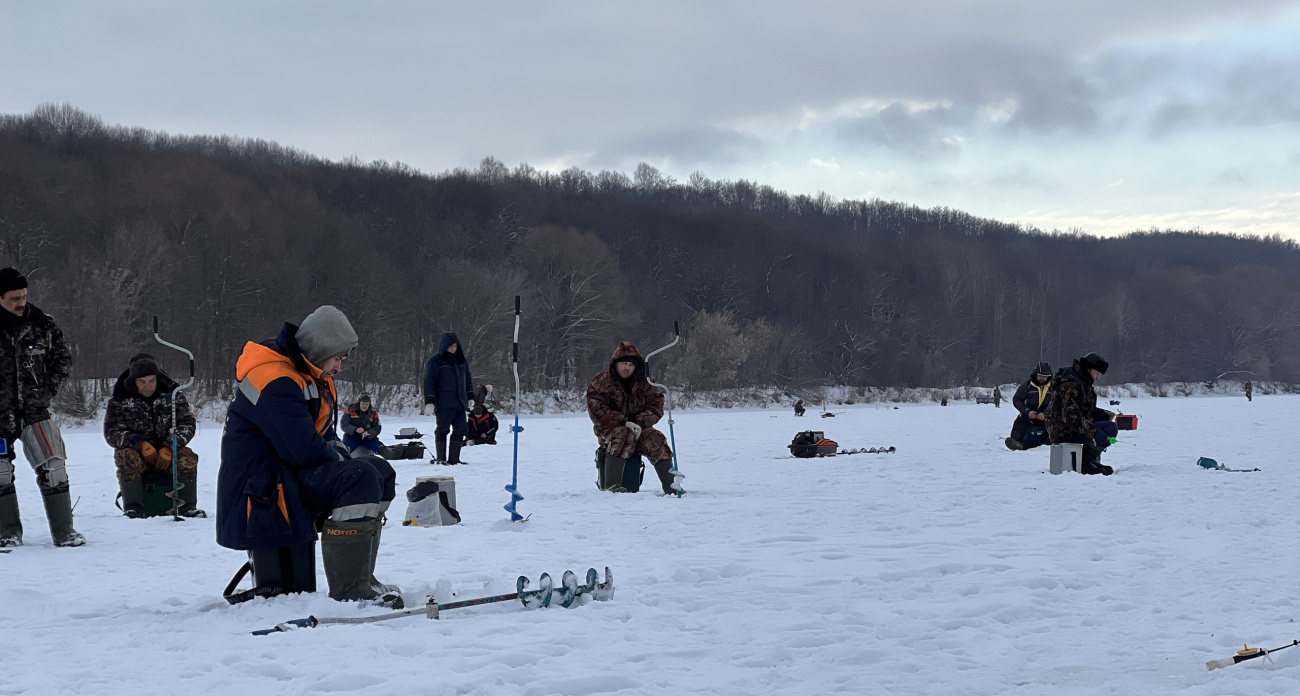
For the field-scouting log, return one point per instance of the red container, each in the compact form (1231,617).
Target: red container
(1124,422)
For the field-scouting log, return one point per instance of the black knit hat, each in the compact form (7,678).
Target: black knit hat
(1043,369)
(1094,361)
(365,398)
(142,365)
(11,279)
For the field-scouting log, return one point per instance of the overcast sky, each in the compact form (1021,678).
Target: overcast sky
(1106,115)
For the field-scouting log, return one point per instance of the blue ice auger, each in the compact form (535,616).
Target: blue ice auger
(668,399)
(513,488)
(176,484)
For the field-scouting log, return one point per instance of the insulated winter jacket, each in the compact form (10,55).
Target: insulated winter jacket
(280,422)
(1031,396)
(447,379)
(1071,406)
(367,420)
(611,401)
(34,364)
(131,419)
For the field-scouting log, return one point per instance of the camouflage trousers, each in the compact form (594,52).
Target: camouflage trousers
(619,442)
(131,464)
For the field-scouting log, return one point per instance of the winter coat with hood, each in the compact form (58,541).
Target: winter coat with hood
(612,401)
(34,364)
(447,379)
(132,420)
(280,422)
(1072,406)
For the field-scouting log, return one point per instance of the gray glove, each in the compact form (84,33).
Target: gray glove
(471,404)
(430,409)
(636,429)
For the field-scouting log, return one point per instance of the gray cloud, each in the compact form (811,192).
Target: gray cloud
(701,146)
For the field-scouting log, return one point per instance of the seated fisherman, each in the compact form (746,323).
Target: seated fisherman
(624,407)
(1030,429)
(361,426)
(138,426)
(482,422)
(1073,416)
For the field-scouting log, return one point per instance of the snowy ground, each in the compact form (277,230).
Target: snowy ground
(951,567)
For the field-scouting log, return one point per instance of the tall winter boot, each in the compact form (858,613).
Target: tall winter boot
(11,524)
(440,447)
(132,498)
(663,467)
(380,587)
(347,549)
(189,495)
(453,451)
(614,473)
(58,511)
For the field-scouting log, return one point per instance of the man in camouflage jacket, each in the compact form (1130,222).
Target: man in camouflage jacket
(624,408)
(34,363)
(138,426)
(1072,413)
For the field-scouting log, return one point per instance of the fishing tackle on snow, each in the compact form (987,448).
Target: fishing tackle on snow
(1246,653)
(546,594)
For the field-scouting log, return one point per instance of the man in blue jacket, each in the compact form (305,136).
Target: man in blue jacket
(283,469)
(448,394)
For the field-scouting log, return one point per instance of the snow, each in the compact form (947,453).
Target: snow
(953,566)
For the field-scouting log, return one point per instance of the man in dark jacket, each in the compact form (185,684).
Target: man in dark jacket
(34,363)
(483,423)
(1029,430)
(361,426)
(283,470)
(138,426)
(624,407)
(1073,416)
(448,394)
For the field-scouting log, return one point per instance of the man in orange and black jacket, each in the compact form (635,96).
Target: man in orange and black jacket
(283,470)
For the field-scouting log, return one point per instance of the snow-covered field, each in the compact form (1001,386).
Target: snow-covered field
(951,567)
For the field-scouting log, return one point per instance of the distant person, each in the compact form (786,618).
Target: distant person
(943,401)
(799,410)
(997,397)
(483,423)
(361,426)
(448,394)
(138,426)
(1250,390)
(1073,416)
(34,364)
(1030,429)
(624,407)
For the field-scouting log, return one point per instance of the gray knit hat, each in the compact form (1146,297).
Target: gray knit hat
(324,334)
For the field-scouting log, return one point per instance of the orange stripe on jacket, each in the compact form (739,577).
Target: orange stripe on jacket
(259,366)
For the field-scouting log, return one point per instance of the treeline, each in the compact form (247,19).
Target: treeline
(226,238)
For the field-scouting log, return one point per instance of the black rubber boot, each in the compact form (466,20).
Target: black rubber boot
(380,587)
(348,552)
(663,467)
(1013,444)
(440,446)
(11,524)
(132,498)
(58,512)
(190,499)
(614,473)
(453,451)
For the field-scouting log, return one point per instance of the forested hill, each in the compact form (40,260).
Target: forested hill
(226,238)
